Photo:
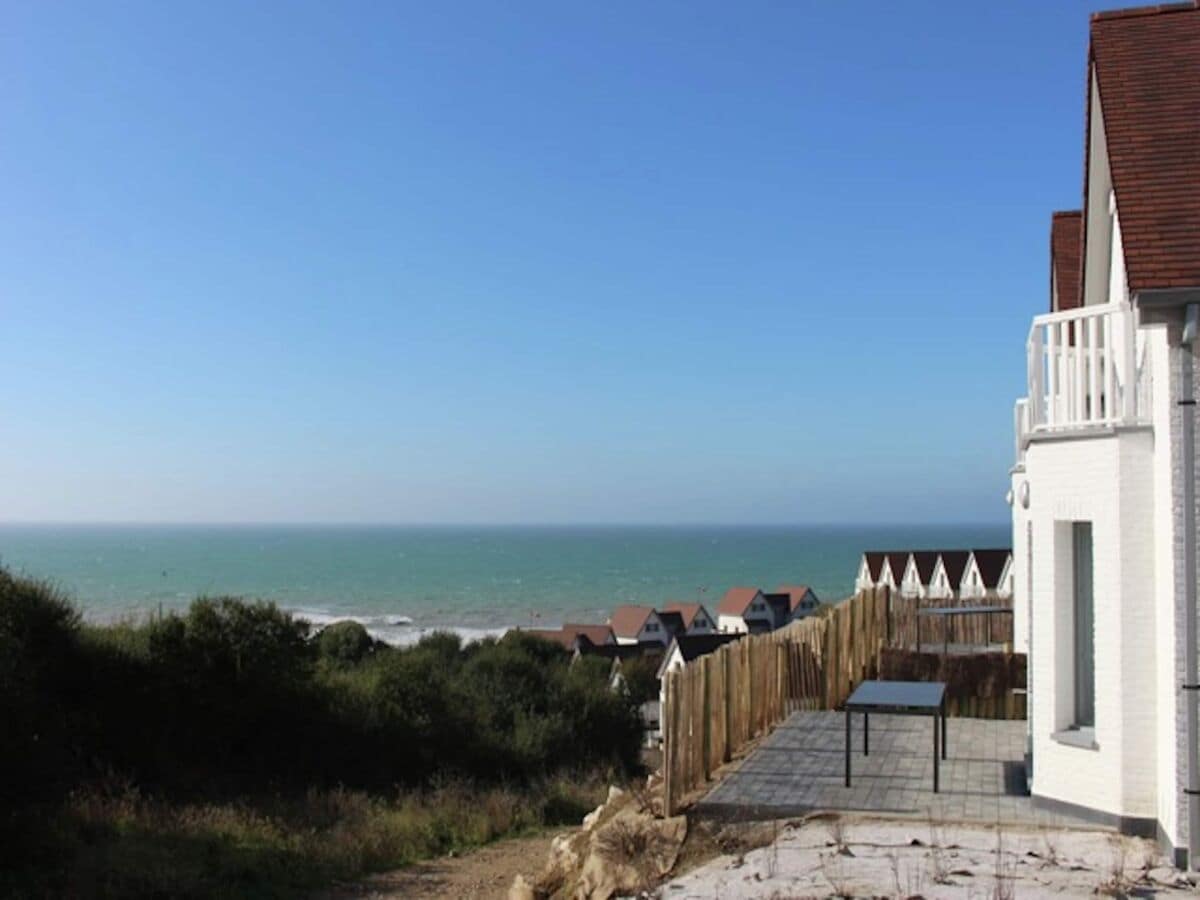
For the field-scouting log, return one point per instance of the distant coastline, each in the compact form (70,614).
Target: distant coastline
(403,581)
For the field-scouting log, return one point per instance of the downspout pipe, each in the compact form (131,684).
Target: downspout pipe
(1191,689)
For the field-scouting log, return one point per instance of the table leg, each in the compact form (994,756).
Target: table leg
(935,754)
(866,734)
(943,729)
(847,748)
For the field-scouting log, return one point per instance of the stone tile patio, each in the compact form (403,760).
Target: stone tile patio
(799,769)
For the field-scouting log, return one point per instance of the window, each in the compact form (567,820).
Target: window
(1084,650)
(651,626)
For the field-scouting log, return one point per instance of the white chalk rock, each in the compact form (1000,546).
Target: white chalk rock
(521,890)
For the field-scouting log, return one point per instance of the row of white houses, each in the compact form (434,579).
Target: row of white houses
(939,574)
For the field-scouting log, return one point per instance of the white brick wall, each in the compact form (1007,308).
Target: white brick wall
(1107,481)
(1130,486)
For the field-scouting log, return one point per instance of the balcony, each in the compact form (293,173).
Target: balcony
(1088,373)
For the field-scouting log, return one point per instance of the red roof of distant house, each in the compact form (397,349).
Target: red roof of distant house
(627,621)
(736,600)
(1066,241)
(597,634)
(991,565)
(795,594)
(1147,67)
(687,610)
(565,638)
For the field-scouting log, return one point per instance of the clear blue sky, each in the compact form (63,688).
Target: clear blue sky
(584,262)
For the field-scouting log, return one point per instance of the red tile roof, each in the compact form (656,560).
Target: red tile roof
(736,600)
(597,634)
(687,610)
(1147,68)
(627,621)
(564,638)
(795,594)
(1066,260)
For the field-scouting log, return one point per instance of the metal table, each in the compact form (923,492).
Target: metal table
(945,612)
(907,698)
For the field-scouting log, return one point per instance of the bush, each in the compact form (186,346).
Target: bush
(641,678)
(234,696)
(40,682)
(344,644)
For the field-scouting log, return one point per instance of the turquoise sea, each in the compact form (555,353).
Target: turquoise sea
(402,581)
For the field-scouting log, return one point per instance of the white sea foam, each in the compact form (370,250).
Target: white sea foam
(394,629)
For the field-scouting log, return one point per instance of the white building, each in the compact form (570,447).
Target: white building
(918,573)
(1104,485)
(696,619)
(802,600)
(747,609)
(948,574)
(891,573)
(988,575)
(638,625)
(869,570)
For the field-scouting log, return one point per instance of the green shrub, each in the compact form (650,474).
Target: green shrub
(234,696)
(344,643)
(40,682)
(640,676)
(193,713)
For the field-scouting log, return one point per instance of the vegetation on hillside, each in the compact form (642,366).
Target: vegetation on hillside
(228,749)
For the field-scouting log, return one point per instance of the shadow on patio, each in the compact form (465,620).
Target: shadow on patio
(799,769)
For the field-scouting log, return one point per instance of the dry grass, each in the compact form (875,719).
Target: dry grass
(1118,883)
(1004,874)
(117,842)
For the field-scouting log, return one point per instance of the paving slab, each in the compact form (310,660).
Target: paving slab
(799,769)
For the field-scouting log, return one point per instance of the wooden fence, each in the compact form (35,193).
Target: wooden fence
(719,703)
(971,629)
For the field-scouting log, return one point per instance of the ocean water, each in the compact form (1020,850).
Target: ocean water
(404,581)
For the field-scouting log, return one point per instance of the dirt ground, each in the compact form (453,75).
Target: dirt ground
(485,873)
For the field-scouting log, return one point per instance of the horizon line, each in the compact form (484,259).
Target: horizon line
(335,523)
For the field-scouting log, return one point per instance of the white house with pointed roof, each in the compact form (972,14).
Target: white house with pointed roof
(1103,487)
(948,574)
(988,575)
(891,573)
(802,600)
(696,619)
(918,573)
(639,625)
(747,609)
(870,567)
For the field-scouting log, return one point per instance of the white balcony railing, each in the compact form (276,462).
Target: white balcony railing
(1085,373)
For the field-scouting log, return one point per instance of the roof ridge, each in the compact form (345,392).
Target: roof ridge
(1135,12)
